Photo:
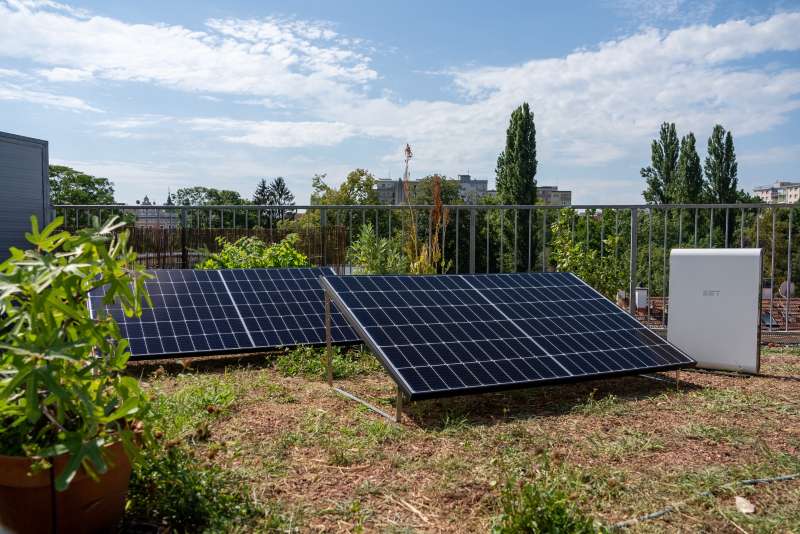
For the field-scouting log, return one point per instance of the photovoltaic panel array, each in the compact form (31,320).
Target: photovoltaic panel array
(223,311)
(452,335)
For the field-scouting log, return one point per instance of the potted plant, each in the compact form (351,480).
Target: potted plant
(67,413)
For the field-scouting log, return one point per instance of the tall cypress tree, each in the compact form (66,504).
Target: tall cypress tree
(689,183)
(660,175)
(516,181)
(516,165)
(721,168)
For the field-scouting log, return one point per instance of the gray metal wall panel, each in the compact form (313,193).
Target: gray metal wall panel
(24,188)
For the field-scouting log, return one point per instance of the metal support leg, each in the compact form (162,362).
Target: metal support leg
(398,414)
(677,379)
(328,340)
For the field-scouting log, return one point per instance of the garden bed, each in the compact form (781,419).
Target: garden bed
(298,455)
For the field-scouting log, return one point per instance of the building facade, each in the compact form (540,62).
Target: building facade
(781,192)
(550,195)
(470,190)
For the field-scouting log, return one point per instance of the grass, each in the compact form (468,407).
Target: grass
(281,451)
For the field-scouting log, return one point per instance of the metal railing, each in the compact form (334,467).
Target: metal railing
(494,238)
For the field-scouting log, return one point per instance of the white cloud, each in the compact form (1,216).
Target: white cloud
(594,106)
(33,96)
(275,134)
(61,74)
(268,57)
(12,73)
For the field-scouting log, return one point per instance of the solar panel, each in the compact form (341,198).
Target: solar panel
(284,307)
(452,335)
(223,311)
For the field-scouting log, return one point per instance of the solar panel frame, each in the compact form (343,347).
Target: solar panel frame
(480,375)
(188,302)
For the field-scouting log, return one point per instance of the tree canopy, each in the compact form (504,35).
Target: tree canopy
(517,164)
(207,196)
(721,168)
(660,175)
(423,192)
(261,195)
(688,187)
(278,193)
(358,188)
(68,186)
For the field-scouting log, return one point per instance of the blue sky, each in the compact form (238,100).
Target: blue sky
(162,95)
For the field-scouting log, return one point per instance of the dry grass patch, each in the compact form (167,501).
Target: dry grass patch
(613,449)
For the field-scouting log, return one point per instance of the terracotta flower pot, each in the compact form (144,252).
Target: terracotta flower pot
(30,503)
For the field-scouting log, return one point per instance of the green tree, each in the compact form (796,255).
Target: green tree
(423,192)
(208,196)
(358,188)
(516,181)
(661,173)
(689,185)
(721,168)
(516,165)
(68,186)
(278,194)
(261,196)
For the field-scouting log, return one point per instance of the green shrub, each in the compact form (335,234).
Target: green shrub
(61,383)
(252,253)
(171,486)
(540,507)
(371,255)
(607,274)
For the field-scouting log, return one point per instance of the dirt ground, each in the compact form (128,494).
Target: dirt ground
(620,448)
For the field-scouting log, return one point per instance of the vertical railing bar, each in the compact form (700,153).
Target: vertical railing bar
(772,271)
(586,222)
(696,216)
(680,227)
(350,238)
(711,230)
(788,275)
(633,274)
(602,233)
(741,228)
(444,228)
(487,241)
(544,240)
(516,248)
(530,237)
(758,227)
(649,261)
(665,252)
(727,216)
(616,234)
(502,234)
(473,223)
(458,245)
(430,231)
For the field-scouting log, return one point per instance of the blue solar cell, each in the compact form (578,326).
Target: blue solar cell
(448,335)
(197,312)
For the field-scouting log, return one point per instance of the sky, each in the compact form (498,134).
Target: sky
(159,95)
